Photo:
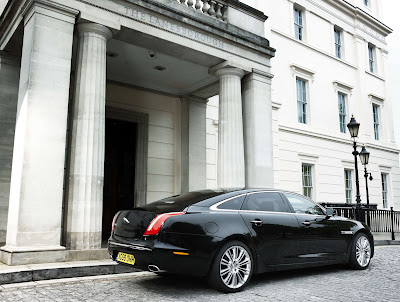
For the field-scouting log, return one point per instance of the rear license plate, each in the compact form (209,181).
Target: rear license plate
(126,258)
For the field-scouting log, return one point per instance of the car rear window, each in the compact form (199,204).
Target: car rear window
(232,204)
(178,203)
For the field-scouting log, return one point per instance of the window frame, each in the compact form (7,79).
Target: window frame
(372,58)
(376,117)
(298,21)
(310,186)
(385,190)
(348,189)
(338,35)
(342,115)
(303,102)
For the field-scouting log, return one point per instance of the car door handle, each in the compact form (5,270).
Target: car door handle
(307,223)
(257,222)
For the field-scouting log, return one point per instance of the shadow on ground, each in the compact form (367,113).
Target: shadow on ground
(189,284)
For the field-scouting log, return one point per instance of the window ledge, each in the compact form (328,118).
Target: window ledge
(343,85)
(374,75)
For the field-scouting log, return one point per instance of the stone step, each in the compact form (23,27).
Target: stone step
(47,271)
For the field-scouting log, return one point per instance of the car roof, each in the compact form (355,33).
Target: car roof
(231,193)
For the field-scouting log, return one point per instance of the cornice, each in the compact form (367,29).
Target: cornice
(362,18)
(336,139)
(357,11)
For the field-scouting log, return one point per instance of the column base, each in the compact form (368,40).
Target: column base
(16,255)
(36,255)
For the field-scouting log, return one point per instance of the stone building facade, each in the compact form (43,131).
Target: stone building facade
(103,107)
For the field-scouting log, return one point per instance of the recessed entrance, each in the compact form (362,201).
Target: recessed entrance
(119,170)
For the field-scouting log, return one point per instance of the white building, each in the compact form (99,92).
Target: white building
(104,106)
(328,52)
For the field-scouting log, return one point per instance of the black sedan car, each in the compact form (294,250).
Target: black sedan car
(229,236)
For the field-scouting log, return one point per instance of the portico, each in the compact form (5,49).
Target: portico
(94,70)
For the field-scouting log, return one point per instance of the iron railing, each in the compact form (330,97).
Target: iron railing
(380,221)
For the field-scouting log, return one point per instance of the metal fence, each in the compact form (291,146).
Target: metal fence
(380,221)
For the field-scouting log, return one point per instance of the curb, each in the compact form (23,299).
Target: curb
(55,282)
(386,242)
(27,274)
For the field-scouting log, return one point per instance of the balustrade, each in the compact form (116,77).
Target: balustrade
(214,8)
(381,221)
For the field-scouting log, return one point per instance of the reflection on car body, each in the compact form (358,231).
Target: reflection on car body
(229,236)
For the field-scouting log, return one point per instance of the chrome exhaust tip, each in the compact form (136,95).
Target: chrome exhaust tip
(153,268)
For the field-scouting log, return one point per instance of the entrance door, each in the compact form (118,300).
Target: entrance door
(119,170)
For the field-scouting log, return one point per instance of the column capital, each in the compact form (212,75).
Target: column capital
(94,28)
(229,71)
(263,74)
(197,100)
(260,76)
(48,8)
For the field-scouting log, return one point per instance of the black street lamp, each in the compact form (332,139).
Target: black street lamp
(353,127)
(364,157)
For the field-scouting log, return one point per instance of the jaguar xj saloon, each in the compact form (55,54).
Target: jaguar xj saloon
(229,236)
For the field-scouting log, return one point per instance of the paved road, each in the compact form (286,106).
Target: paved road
(380,282)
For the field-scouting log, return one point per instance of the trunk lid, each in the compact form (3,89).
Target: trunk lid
(133,223)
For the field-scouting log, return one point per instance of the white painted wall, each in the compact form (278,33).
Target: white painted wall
(164,130)
(320,142)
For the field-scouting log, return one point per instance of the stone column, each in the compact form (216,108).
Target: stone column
(257,120)
(193,144)
(231,173)
(86,175)
(36,191)
(9,80)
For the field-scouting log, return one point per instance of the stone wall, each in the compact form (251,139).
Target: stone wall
(163,170)
(9,80)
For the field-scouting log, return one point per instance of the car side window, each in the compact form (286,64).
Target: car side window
(266,202)
(303,206)
(232,204)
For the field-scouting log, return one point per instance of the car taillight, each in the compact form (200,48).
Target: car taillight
(156,224)
(113,222)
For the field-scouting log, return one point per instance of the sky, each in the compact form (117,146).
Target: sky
(391,19)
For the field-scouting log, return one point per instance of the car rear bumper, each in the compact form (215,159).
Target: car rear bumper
(164,256)
(143,255)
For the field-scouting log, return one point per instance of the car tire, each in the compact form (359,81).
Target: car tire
(232,267)
(360,252)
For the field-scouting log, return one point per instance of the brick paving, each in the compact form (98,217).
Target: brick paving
(380,282)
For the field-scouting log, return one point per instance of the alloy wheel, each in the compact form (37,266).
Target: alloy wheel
(235,267)
(363,251)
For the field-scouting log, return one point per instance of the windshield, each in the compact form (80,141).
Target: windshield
(178,203)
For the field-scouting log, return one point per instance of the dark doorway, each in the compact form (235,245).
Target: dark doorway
(119,170)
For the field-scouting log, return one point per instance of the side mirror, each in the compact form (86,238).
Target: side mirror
(330,212)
